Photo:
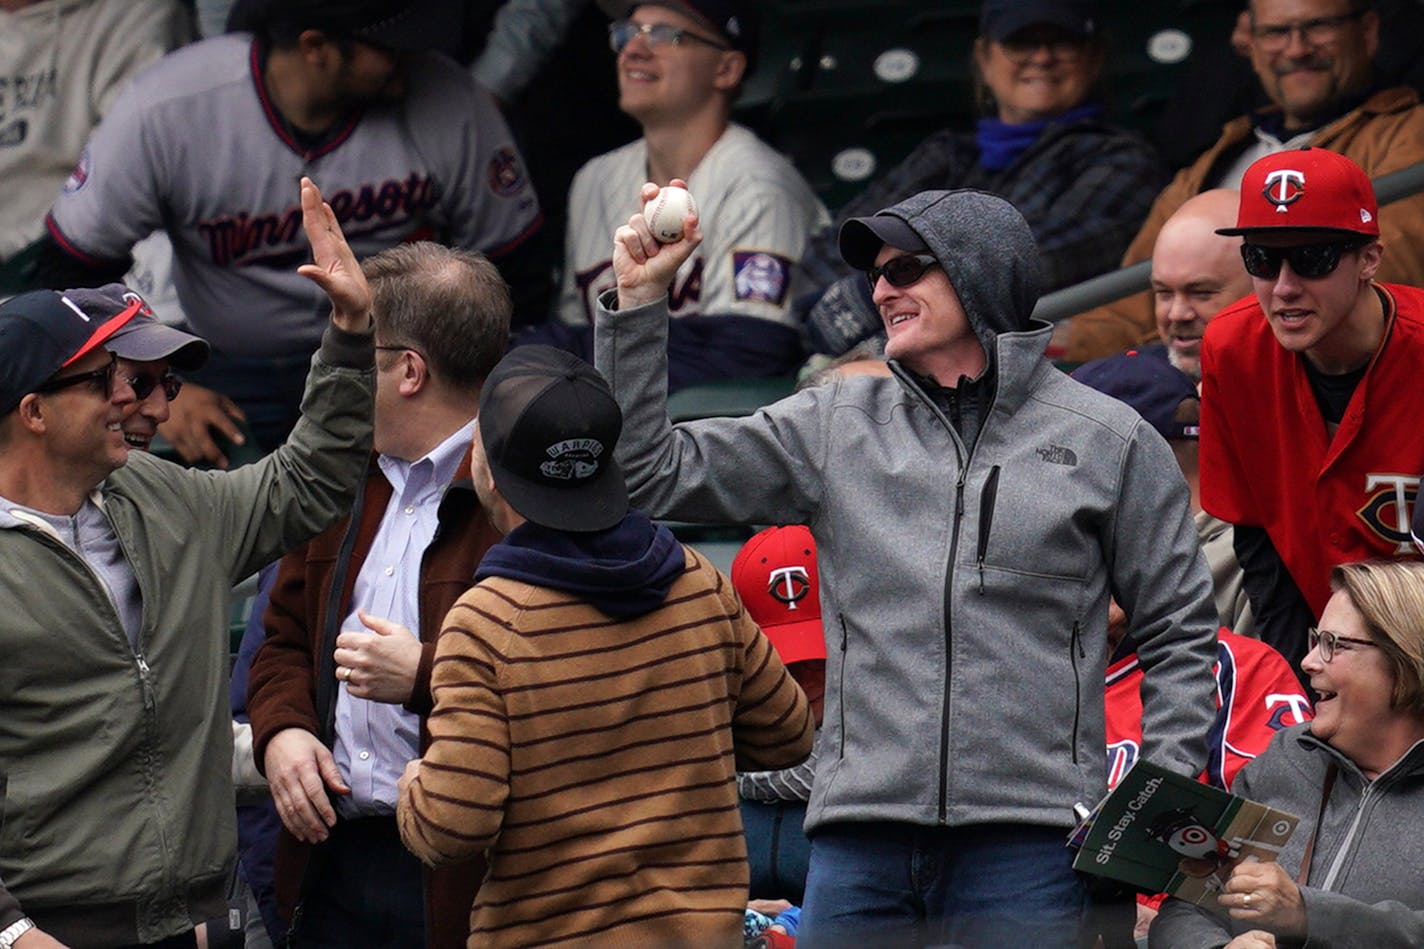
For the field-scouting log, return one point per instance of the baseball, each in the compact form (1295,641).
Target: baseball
(665,213)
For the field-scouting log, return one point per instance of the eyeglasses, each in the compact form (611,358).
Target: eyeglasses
(621,33)
(1020,48)
(1329,643)
(143,385)
(901,271)
(1320,31)
(1306,260)
(400,349)
(103,377)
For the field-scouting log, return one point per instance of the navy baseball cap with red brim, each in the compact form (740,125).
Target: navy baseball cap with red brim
(43,331)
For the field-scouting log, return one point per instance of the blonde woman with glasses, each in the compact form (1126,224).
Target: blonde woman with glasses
(1353,873)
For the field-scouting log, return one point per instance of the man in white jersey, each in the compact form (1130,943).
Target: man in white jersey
(680,66)
(206,144)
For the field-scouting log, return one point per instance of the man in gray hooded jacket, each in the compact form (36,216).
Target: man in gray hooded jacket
(973,514)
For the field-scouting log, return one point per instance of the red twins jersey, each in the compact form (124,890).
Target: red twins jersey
(1267,460)
(195,146)
(1257,695)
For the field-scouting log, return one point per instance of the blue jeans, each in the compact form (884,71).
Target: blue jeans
(984,886)
(778,853)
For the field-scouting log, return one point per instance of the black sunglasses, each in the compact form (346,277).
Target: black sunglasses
(901,271)
(1306,260)
(104,377)
(144,385)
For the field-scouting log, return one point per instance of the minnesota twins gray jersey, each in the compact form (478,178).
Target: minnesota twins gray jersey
(194,146)
(757,214)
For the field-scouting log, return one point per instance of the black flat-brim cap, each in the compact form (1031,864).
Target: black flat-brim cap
(549,425)
(861,239)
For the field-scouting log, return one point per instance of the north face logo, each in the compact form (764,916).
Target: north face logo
(1058,455)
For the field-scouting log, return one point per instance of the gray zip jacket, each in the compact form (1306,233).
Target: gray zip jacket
(1366,884)
(964,595)
(117,817)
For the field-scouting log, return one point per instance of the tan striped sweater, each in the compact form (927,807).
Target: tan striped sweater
(596,760)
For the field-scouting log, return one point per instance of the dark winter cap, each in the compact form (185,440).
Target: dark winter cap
(549,425)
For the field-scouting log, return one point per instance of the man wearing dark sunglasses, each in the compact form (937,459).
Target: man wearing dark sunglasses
(147,354)
(1308,442)
(973,513)
(117,738)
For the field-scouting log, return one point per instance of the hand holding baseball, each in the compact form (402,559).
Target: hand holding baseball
(667,212)
(643,265)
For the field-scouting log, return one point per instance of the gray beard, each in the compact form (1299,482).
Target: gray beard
(1192,370)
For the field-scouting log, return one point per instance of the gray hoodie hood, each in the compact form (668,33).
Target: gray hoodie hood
(982,242)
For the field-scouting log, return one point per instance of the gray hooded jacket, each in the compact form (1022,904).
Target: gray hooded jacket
(964,593)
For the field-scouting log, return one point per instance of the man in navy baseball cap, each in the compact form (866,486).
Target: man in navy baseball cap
(44,331)
(734,21)
(148,353)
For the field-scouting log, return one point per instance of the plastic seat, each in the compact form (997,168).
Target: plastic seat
(729,397)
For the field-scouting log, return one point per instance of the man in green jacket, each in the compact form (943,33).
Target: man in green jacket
(117,826)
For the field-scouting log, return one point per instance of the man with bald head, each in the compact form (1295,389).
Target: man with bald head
(1196,273)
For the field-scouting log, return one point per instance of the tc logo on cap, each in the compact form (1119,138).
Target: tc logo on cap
(1284,187)
(788,585)
(572,459)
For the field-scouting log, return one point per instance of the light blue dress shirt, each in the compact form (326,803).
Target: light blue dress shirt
(374,740)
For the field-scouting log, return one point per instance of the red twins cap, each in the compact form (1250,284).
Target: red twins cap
(776,576)
(1307,189)
(43,331)
(549,425)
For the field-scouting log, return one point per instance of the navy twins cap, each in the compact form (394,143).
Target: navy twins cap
(43,331)
(549,426)
(144,338)
(1161,393)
